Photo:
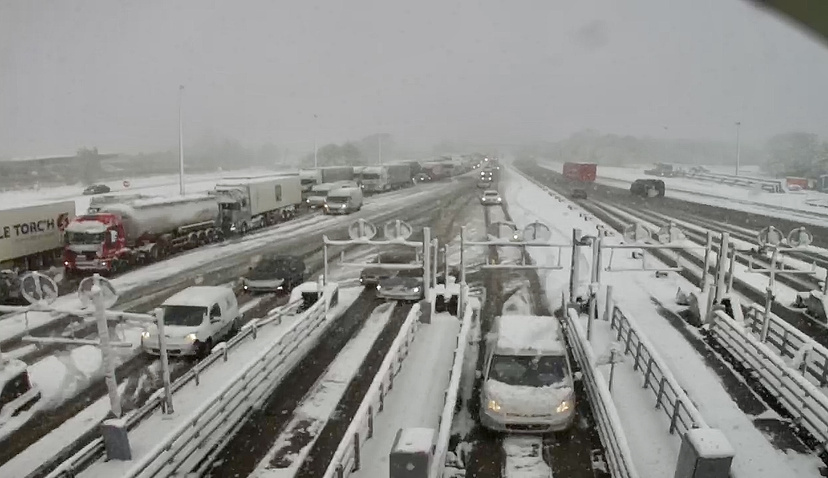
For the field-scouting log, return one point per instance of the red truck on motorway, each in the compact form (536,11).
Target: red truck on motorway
(583,172)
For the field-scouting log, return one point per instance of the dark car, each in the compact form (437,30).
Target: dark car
(370,276)
(406,285)
(275,273)
(579,194)
(648,188)
(17,393)
(96,189)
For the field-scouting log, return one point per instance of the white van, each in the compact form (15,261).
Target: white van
(195,319)
(344,200)
(319,193)
(527,385)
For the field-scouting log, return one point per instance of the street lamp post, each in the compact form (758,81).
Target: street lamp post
(315,148)
(180,141)
(738,147)
(379,155)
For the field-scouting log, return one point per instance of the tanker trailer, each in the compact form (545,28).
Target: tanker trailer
(125,234)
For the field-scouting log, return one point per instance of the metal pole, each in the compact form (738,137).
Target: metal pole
(732,269)
(426,256)
(324,260)
(738,147)
(180,140)
(720,272)
(106,347)
(435,255)
(315,149)
(445,263)
(462,299)
(379,155)
(573,266)
(608,304)
(165,364)
(769,296)
(708,249)
(593,310)
(612,369)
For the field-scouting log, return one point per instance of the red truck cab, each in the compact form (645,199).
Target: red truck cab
(93,243)
(584,172)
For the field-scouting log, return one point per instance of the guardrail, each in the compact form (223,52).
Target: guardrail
(806,403)
(811,358)
(347,457)
(450,398)
(312,319)
(770,185)
(670,397)
(609,425)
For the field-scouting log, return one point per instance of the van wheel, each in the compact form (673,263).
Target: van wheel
(204,348)
(235,326)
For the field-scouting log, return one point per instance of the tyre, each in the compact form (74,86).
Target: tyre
(203,348)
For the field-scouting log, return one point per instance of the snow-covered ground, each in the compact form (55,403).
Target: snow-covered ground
(791,205)
(160,185)
(636,293)
(417,397)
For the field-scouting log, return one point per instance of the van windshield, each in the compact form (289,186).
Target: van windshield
(528,371)
(338,199)
(184,315)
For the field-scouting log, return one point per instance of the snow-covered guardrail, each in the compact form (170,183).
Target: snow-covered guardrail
(770,185)
(208,424)
(670,397)
(609,425)
(808,356)
(347,457)
(806,403)
(450,398)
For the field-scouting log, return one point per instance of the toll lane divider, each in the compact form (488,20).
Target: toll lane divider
(247,388)
(347,457)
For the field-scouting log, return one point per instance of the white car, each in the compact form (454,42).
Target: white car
(195,319)
(490,197)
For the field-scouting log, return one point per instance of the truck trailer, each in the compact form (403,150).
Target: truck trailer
(31,237)
(330,174)
(250,203)
(377,179)
(121,235)
(583,172)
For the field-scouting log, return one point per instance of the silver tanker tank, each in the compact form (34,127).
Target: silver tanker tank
(147,218)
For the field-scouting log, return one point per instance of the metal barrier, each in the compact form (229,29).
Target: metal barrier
(789,342)
(806,403)
(347,457)
(450,402)
(192,435)
(670,397)
(609,425)
(770,185)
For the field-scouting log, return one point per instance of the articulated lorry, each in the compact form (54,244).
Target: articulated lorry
(251,203)
(330,174)
(119,235)
(377,179)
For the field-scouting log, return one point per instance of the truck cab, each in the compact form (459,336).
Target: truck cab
(92,243)
(343,201)
(319,193)
(195,319)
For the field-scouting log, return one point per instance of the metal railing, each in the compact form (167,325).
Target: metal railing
(347,458)
(770,185)
(608,422)
(310,320)
(789,342)
(806,403)
(669,395)
(450,398)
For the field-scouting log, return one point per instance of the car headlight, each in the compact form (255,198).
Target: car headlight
(493,406)
(564,406)
(499,199)
(191,337)
(379,287)
(145,334)
(417,289)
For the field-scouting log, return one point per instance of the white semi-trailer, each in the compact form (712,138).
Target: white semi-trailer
(251,203)
(32,237)
(376,179)
(330,174)
(119,235)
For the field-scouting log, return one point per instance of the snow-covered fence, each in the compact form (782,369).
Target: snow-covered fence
(806,403)
(808,356)
(347,457)
(450,398)
(609,425)
(670,397)
(218,417)
(770,185)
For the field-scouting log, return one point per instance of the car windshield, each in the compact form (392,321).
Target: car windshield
(338,199)
(529,371)
(370,176)
(184,315)
(490,193)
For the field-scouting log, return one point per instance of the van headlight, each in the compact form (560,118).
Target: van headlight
(191,337)
(145,334)
(417,289)
(493,406)
(564,406)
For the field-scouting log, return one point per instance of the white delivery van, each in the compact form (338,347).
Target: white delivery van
(195,319)
(344,200)
(527,385)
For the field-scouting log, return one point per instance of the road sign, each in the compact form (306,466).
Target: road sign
(800,237)
(537,232)
(362,230)
(770,236)
(37,287)
(110,295)
(397,229)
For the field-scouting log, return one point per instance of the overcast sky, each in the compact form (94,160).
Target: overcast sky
(105,73)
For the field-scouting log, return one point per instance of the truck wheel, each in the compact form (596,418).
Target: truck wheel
(243,228)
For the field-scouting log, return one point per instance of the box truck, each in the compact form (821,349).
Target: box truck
(251,203)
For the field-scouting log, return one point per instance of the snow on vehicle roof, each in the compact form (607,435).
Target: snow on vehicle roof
(152,201)
(197,296)
(9,369)
(529,335)
(242,180)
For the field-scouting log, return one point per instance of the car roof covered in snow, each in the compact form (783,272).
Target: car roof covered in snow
(529,335)
(9,369)
(198,296)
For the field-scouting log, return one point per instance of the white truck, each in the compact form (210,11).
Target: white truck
(315,176)
(377,179)
(251,203)
(344,201)
(319,193)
